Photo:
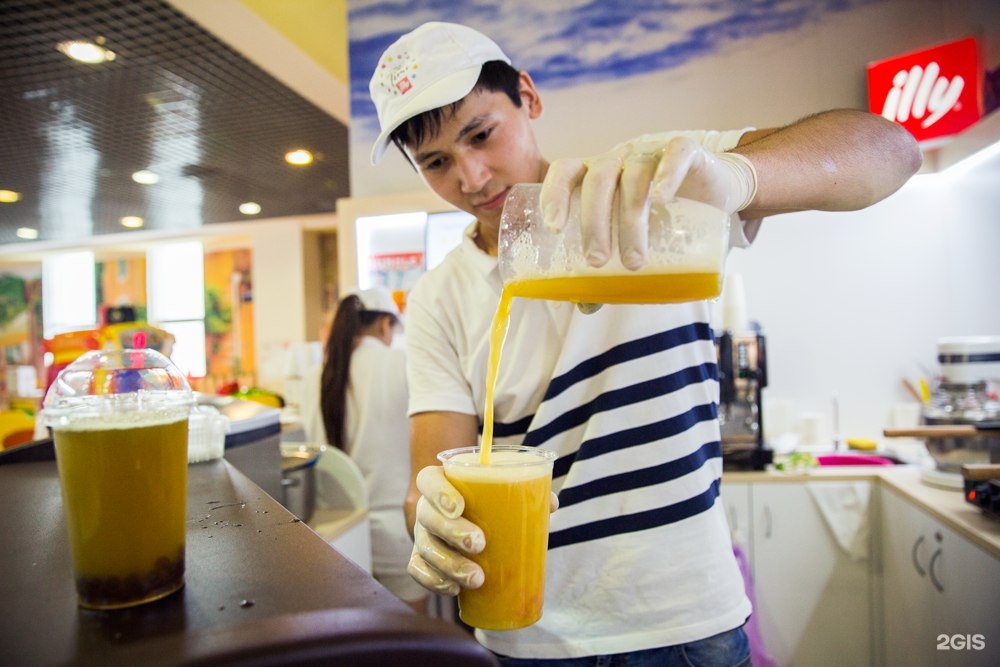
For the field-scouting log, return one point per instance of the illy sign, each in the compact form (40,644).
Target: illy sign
(933,93)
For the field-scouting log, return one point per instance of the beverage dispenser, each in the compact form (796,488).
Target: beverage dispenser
(742,377)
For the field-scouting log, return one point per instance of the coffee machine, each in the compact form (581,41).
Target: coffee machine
(742,361)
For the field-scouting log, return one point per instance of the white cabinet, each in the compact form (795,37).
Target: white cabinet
(941,593)
(909,591)
(736,501)
(813,599)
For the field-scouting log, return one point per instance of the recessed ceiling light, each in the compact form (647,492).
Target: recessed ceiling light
(299,157)
(9,196)
(132,221)
(29,233)
(250,208)
(86,52)
(145,177)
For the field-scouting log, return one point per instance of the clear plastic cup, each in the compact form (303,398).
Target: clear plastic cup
(120,424)
(207,429)
(508,498)
(688,242)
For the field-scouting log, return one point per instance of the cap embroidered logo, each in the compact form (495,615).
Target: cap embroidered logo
(396,73)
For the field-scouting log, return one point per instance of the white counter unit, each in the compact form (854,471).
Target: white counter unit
(859,565)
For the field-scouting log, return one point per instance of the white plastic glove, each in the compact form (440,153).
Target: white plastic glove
(441,536)
(637,173)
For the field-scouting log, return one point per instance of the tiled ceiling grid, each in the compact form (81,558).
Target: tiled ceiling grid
(175,100)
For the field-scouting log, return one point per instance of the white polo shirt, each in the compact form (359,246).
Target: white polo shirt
(378,434)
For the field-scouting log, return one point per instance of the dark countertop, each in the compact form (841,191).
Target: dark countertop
(261,588)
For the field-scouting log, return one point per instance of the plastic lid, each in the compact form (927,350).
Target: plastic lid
(104,383)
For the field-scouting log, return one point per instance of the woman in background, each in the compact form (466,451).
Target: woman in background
(363,399)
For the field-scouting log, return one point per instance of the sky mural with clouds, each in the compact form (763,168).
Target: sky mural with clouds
(568,43)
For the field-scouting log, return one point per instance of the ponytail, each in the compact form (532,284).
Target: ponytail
(350,320)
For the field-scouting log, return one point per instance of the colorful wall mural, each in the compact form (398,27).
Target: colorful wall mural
(122,282)
(573,44)
(20,317)
(229,314)
(21,362)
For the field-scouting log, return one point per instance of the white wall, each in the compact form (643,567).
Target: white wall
(853,303)
(279,292)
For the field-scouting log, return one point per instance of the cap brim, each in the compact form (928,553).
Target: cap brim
(445,91)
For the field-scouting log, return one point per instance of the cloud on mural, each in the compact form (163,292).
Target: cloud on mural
(574,42)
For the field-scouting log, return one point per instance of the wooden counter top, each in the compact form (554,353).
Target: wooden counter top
(946,505)
(259,583)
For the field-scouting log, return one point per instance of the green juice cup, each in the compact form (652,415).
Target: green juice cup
(119,421)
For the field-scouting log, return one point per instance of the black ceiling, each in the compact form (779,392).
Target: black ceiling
(175,100)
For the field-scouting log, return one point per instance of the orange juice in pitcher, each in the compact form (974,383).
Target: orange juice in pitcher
(687,246)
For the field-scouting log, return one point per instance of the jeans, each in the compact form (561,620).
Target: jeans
(726,649)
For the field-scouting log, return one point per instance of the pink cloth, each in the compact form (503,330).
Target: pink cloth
(759,656)
(852,460)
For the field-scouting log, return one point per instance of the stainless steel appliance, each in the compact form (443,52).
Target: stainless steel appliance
(298,477)
(965,395)
(955,444)
(961,421)
(742,377)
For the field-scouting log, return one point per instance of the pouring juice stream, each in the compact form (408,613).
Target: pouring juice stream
(498,332)
(632,288)
(687,244)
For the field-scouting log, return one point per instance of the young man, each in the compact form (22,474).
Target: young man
(640,560)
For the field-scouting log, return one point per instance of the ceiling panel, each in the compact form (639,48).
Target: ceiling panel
(175,100)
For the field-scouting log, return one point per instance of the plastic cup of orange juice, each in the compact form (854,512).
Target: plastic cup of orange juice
(687,246)
(119,421)
(508,498)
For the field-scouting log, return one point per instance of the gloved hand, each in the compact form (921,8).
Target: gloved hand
(441,536)
(637,173)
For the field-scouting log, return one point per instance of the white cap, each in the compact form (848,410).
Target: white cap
(432,66)
(378,299)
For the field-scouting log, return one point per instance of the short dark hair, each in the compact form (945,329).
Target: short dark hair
(495,76)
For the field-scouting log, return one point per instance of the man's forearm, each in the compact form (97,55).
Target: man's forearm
(840,160)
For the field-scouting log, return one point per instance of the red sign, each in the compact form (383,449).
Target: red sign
(933,93)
